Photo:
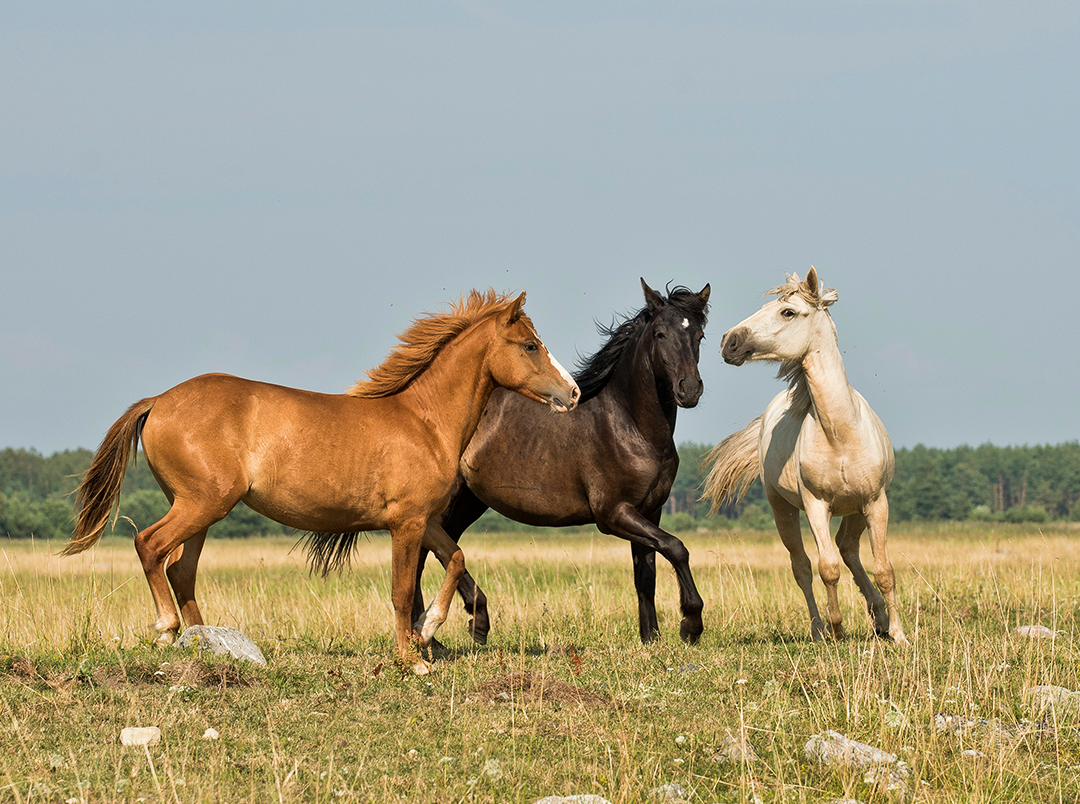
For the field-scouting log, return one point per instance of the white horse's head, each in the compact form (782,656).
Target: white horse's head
(786,328)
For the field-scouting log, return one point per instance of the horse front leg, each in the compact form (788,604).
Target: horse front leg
(786,517)
(462,512)
(627,522)
(819,516)
(877,517)
(645,586)
(451,557)
(405,553)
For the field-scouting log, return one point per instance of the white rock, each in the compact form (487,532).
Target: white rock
(1034,632)
(587,798)
(972,754)
(669,792)
(221,641)
(1047,697)
(144,735)
(210,734)
(833,748)
(736,750)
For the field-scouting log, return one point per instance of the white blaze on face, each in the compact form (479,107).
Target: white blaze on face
(686,323)
(558,367)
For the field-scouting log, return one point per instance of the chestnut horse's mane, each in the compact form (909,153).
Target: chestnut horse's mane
(425,338)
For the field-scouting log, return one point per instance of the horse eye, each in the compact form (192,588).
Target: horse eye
(787,312)
(531,347)
(660,334)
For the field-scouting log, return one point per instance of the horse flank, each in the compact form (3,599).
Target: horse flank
(735,465)
(425,338)
(99,491)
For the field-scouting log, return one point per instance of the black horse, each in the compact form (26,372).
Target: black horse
(611,461)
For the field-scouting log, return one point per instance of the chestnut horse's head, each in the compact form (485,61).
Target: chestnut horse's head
(520,362)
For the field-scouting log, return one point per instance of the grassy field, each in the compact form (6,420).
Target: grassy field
(563,699)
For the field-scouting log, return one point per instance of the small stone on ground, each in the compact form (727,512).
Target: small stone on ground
(221,641)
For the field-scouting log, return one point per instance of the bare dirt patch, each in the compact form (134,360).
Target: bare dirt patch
(534,688)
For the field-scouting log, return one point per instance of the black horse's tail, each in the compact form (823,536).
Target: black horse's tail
(327,552)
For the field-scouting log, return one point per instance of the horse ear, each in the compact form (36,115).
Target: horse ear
(513,312)
(653,299)
(812,281)
(704,295)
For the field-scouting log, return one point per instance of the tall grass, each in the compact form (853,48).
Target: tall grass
(332,719)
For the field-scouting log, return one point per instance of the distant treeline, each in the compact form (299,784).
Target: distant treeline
(35,501)
(1013,484)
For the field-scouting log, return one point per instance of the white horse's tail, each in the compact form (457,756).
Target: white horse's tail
(735,465)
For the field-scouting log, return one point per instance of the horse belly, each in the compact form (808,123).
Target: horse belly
(525,473)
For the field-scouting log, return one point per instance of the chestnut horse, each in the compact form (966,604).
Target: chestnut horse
(612,461)
(818,447)
(384,455)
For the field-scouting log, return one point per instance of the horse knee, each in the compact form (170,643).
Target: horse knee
(829,570)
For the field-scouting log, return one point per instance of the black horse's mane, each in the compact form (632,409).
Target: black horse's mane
(592,373)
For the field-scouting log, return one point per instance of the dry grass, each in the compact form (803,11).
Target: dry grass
(563,699)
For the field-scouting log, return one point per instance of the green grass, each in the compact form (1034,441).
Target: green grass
(332,718)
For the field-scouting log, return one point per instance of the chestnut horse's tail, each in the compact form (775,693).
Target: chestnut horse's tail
(99,490)
(735,465)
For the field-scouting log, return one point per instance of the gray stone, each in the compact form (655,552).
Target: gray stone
(1034,632)
(669,792)
(736,750)
(1049,699)
(221,641)
(834,749)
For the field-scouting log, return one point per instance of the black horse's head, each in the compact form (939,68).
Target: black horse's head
(677,327)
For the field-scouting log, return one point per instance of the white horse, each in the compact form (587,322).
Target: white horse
(818,447)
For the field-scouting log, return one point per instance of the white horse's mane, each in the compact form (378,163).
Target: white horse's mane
(791,371)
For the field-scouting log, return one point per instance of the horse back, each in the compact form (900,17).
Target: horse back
(563,470)
(309,460)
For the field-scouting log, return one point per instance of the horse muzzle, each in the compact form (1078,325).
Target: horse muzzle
(735,347)
(688,390)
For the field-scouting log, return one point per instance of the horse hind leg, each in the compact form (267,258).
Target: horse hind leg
(877,517)
(181,569)
(847,540)
(154,545)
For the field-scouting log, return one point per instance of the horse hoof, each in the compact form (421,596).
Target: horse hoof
(690,631)
(478,633)
(165,640)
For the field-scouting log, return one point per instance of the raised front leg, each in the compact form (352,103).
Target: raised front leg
(463,510)
(451,557)
(627,522)
(786,517)
(819,515)
(877,517)
(847,540)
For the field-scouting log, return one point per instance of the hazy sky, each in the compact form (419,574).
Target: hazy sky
(275,190)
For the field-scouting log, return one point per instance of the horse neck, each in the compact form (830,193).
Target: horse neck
(454,389)
(645,394)
(826,382)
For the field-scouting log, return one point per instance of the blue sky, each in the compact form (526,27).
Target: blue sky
(275,191)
